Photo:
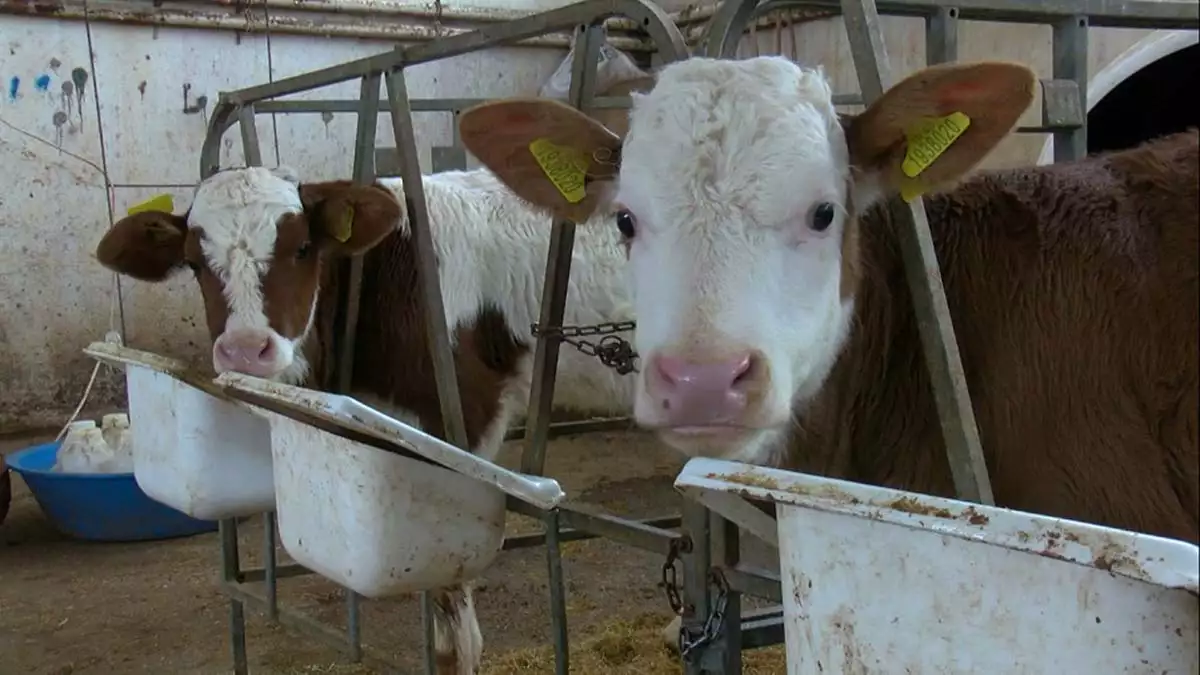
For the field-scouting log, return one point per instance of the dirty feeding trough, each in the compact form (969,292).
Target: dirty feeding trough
(419,506)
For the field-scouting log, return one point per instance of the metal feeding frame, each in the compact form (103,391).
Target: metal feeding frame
(707,546)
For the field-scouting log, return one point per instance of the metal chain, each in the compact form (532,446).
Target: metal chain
(670,579)
(689,642)
(613,351)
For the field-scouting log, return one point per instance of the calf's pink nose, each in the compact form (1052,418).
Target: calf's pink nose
(690,393)
(245,352)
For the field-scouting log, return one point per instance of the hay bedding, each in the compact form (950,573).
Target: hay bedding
(623,647)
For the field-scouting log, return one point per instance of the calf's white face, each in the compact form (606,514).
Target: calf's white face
(732,195)
(237,215)
(255,239)
(736,197)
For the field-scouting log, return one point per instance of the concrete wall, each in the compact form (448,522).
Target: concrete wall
(70,115)
(1111,53)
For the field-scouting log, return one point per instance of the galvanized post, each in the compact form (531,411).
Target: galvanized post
(270,580)
(558,273)
(924,281)
(437,333)
(558,599)
(231,573)
(729,552)
(697,596)
(1070,56)
(941,36)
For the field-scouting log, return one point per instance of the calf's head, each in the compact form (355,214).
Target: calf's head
(736,192)
(255,239)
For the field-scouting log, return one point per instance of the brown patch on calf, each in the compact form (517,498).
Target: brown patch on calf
(392,357)
(1075,298)
(147,246)
(294,272)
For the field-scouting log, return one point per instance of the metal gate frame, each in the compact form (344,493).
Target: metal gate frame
(568,522)
(705,539)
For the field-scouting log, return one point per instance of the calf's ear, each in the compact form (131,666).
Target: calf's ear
(935,125)
(545,151)
(147,246)
(349,219)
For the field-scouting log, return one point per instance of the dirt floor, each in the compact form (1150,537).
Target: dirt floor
(69,607)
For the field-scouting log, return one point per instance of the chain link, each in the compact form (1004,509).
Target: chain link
(689,642)
(612,350)
(670,579)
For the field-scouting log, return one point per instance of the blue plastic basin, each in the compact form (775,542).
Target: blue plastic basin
(99,507)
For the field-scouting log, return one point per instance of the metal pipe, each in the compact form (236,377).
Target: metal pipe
(558,600)
(555,279)
(145,14)
(568,534)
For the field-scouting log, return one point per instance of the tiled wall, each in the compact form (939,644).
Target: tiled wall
(67,117)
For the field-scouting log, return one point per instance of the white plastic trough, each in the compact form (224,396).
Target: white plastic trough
(377,522)
(885,581)
(196,453)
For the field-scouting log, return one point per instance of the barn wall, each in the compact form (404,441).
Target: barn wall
(124,115)
(824,42)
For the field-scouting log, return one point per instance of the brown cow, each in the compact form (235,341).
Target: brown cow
(775,323)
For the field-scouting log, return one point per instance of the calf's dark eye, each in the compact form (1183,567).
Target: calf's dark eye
(303,251)
(626,223)
(822,216)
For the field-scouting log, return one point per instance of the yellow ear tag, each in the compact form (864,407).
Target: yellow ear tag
(164,203)
(341,228)
(929,140)
(564,166)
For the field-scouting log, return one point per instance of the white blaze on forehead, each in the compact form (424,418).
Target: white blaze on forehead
(238,210)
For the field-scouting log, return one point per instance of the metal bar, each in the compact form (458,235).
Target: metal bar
(251,149)
(353,627)
(729,649)
(454,428)
(258,574)
(697,600)
(558,600)
(230,561)
(1070,62)
(269,570)
(730,22)
(560,429)
(307,625)
(418,105)
(556,277)
(437,333)
(762,628)
(363,173)
(656,22)
(941,36)
(924,276)
(631,532)
(757,582)
(568,534)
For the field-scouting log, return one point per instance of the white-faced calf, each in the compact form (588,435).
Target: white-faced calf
(775,324)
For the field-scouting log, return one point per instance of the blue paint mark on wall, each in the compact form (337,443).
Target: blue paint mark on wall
(42,82)
(14,87)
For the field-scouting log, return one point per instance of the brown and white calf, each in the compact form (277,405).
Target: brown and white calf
(775,324)
(259,243)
